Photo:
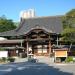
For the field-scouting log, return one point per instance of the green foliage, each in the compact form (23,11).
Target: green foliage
(69,35)
(69,19)
(69,59)
(1,60)
(6,24)
(69,26)
(11,59)
(2,49)
(4,59)
(71,13)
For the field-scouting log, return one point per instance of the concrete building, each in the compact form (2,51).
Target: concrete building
(30,13)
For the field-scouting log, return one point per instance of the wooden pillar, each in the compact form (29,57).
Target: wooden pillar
(21,43)
(27,48)
(57,40)
(49,47)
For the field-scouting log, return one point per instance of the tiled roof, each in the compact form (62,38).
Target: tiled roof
(50,24)
(8,33)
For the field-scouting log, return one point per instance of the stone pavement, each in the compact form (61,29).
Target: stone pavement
(45,59)
(43,67)
(27,68)
(41,59)
(21,60)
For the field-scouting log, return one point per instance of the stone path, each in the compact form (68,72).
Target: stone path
(41,59)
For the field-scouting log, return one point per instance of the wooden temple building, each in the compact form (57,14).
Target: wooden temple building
(37,35)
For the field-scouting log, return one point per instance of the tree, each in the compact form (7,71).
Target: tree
(69,27)
(69,35)
(6,24)
(69,19)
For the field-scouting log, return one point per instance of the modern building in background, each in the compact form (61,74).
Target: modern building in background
(30,13)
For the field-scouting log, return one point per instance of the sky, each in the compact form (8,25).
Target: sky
(12,8)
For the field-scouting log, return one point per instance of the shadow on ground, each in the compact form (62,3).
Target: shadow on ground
(26,68)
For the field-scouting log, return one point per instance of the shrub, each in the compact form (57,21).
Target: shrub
(11,59)
(1,60)
(2,49)
(69,59)
(4,59)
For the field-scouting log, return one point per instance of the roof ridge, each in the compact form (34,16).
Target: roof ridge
(48,16)
(45,17)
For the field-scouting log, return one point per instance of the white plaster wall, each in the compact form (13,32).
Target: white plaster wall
(3,54)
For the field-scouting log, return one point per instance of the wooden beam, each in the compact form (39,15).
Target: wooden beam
(37,39)
(34,36)
(37,30)
(42,35)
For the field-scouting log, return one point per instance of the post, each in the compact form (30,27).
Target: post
(21,43)
(57,40)
(49,46)
(27,48)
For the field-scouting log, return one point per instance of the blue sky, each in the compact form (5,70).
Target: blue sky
(12,8)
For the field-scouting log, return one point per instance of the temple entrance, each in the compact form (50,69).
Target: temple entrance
(40,49)
(38,41)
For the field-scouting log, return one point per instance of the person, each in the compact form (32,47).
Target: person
(30,50)
(35,59)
